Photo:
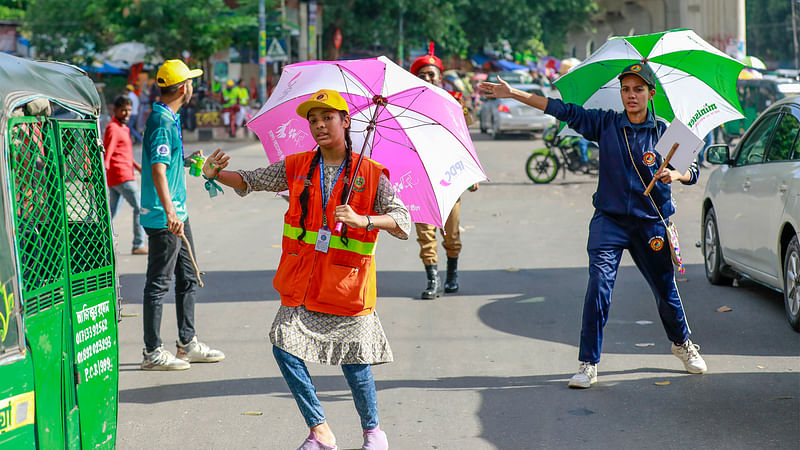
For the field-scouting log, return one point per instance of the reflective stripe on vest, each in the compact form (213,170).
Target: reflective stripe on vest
(355,246)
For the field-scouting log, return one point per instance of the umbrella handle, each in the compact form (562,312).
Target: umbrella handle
(370,130)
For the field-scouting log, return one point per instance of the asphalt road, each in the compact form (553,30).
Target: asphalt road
(486,368)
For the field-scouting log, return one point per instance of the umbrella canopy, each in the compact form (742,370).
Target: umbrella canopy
(508,66)
(750,74)
(755,63)
(568,64)
(418,130)
(695,82)
(129,53)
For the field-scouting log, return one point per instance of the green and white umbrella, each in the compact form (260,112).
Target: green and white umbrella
(695,82)
(755,63)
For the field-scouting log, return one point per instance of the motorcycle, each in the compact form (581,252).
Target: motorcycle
(560,153)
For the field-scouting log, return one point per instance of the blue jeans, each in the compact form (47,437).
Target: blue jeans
(359,377)
(130,192)
(608,237)
(168,255)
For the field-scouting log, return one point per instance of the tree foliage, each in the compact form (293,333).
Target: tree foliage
(769,29)
(76,32)
(70,32)
(456,26)
(12,9)
(200,27)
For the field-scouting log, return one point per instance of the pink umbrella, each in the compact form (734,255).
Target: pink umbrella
(415,129)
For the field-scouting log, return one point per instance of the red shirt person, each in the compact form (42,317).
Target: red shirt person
(119,164)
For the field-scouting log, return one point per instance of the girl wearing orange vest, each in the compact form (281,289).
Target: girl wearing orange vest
(326,278)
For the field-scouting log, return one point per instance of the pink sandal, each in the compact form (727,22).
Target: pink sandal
(312,443)
(375,439)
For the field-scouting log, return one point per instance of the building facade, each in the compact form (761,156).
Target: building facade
(720,22)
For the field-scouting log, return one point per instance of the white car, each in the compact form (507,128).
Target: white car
(502,115)
(751,207)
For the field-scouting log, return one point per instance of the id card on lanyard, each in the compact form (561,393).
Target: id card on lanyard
(324,234)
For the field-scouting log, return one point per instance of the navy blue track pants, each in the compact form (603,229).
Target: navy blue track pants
(647,243)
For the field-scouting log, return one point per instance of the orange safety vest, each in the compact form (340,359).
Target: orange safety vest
(342,281)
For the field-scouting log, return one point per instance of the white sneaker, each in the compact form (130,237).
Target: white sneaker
(689,354)
(586,376)
(160,359)
(196,351)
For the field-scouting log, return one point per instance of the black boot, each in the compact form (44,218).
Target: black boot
(434,288)
(451,285)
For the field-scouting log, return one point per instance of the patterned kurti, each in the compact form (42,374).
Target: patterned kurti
(320,337)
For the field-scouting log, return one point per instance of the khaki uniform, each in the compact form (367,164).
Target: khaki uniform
(426,236)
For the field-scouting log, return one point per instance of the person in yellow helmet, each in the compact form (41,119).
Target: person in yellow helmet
(165,219)
(327,313)
(230,107)
(242,96)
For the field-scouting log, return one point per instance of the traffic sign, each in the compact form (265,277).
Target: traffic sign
(276,51)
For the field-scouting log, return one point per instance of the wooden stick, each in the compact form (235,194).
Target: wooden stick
(663,164)
(194,263)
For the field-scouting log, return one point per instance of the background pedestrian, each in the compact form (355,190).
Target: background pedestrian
(120,165)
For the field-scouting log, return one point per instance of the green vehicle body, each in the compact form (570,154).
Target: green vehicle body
(59,310)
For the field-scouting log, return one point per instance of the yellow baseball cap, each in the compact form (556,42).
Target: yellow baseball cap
(323,98)
(174,71)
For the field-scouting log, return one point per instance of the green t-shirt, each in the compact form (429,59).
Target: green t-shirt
(162,144)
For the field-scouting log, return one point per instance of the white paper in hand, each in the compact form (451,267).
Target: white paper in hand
(688,145)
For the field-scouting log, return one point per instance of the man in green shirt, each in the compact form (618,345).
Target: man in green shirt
(166,221)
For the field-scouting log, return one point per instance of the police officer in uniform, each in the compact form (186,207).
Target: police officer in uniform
(624,217)
(429,68)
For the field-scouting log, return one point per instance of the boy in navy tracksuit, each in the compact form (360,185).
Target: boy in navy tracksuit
(624,218)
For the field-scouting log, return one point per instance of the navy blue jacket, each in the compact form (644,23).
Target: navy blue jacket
(619,189)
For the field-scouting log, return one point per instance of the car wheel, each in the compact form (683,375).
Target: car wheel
(791,283)
(541,166)
(712,252)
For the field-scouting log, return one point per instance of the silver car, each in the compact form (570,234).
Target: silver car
(503,115)
(751,207)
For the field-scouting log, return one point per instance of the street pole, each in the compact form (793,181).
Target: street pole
(400,50)
(262,53)
(794,36)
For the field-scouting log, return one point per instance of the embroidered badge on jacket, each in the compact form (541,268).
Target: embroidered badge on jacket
(649,158)
(656,243)
(359,183)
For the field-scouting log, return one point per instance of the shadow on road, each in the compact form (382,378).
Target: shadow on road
(546,304)
(512,415)
(526,412)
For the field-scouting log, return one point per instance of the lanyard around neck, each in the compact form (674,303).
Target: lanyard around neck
(322,182)
(175,118)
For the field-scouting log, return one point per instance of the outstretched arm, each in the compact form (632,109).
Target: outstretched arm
(271,178)
(213,168)
(501,89)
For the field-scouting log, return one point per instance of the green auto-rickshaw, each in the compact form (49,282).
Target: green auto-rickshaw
(58,310)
